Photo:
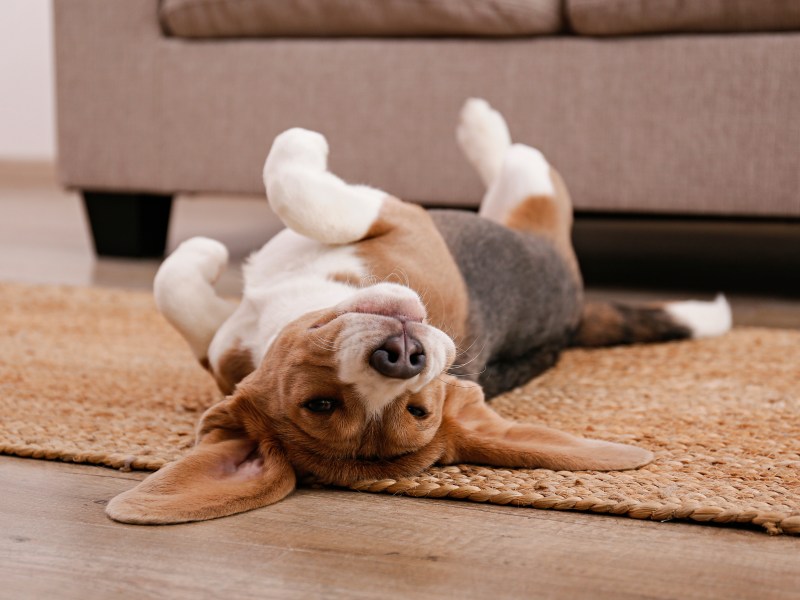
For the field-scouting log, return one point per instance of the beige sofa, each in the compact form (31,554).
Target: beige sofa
(675,107)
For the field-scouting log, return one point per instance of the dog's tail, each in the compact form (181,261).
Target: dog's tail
(613,324)
(185,295)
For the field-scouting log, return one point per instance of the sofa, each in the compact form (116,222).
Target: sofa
(674,107)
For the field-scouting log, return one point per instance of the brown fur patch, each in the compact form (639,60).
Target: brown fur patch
(404,246)
(346,278)
(550,216)
(235,365)
(537,214)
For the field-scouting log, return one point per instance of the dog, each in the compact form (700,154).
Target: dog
(371,332)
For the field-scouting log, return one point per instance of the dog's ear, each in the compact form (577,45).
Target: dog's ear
(231,469)
(474,433)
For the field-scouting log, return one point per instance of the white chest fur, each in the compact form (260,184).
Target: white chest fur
(289,277)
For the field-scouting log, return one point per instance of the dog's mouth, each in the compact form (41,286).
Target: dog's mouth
(347,470)
(309,443)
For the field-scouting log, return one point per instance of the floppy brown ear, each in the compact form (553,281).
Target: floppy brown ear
(230,470)
(474,433)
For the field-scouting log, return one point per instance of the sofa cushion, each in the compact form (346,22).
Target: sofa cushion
(620,17)
(310,18)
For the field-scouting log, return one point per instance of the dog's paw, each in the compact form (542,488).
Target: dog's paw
(297,148)
(484,138)
(198,254)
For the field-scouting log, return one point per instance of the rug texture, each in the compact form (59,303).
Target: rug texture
(97,376)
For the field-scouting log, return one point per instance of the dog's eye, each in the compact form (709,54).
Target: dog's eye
(417,411)
(321,405)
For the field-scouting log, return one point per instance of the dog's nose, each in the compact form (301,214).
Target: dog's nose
(400,357)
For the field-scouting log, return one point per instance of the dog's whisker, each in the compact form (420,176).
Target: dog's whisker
(325,344)
(467,349)
(327,349)
(464,364)
(474,357)
(402,277)
(481,372)
(451,384)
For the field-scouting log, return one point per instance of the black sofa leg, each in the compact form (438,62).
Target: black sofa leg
(131,225)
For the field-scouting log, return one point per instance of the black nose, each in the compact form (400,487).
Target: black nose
(400,357)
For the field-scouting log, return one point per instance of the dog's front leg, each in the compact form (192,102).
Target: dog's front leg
(184,292)
(311,200)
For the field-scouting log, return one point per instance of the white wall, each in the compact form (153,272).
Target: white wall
(27,130)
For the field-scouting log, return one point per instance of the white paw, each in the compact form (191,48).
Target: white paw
(484,138)
(197,255)
(204,246)
(184,293)
(297,148)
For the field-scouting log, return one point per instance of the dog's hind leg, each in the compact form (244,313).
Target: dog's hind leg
(185,295)
(524,192)
(311,200)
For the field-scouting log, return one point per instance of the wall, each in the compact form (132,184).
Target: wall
(27,124)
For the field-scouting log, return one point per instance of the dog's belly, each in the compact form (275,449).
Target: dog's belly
(524,301)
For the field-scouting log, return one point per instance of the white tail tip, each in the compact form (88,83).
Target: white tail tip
(705,319)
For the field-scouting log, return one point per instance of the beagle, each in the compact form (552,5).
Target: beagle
(371,332)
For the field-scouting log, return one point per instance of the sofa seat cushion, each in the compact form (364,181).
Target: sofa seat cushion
(622,17)
(322,18)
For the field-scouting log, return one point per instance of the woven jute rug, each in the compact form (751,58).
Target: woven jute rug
(97,376)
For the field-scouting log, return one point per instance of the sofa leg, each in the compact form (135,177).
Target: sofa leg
(132,225)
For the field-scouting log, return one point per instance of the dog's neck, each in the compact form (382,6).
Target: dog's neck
(290,276)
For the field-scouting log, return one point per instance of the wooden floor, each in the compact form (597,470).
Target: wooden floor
(55,541)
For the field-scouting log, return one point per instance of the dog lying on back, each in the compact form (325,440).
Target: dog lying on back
(371,332)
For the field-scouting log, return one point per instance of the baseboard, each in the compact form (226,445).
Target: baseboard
(27,172)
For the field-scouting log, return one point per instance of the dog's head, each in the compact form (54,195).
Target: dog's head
(355,392)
